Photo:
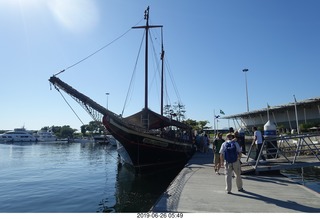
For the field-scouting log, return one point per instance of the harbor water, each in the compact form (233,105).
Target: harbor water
(85,178)
(73,178)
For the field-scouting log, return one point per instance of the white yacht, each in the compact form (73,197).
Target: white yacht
(17,135)
(106,139)
(46,136)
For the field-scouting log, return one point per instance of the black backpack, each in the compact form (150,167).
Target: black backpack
(231,154)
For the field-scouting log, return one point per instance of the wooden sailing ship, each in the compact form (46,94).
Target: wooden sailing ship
(148,140)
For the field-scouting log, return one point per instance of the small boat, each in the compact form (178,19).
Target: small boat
(17,135)
(45,136)
(101,139)
(105,139)
(83,140)
(148,141)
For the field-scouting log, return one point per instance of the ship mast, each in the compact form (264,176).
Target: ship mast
(146,27)
(162,73)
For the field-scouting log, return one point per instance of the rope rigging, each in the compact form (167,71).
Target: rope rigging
(93,113)
(157,71)
(168,72)
(130,89)
(69,106)
(92,54)
(132,77)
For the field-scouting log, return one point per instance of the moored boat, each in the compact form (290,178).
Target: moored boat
(105,139)
(17,135)
(83,140)
(148,140)
(46,136)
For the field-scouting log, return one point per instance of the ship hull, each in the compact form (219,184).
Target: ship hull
(146,152)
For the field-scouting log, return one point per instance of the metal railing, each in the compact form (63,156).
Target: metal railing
(290,149)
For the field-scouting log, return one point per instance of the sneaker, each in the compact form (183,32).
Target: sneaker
(229,192)
(241,190)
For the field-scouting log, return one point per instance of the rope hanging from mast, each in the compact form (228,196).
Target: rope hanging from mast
(132,77)
(69,106)
(92,54)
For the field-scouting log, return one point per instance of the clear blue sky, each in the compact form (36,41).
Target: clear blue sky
(207,43)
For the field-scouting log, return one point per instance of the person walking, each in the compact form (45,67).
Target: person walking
(230,154)
(216,149)
(241,141)
(198,142)
(206,143)
(257,140)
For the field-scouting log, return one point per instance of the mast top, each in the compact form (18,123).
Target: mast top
(146,17)
(146,14)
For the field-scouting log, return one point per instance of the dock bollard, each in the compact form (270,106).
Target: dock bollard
(270,131)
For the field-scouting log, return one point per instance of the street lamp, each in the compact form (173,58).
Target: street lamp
(245,75)
(107,98)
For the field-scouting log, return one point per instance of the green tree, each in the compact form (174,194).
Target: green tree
(177,111)
(202,124)
(56,130)
(192,123)
(46,128)
(66,132)
(167,111)
(197,125)
(83,129)
(95,127)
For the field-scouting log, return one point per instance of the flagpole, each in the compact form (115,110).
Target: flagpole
(295,108)
(217,123)
(214,122)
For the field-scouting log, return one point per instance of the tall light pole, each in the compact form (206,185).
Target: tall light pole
(245,75)
(107,98)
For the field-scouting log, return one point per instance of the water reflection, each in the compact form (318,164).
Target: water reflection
(138,193)
(307,176)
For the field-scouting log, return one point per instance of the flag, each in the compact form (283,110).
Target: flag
(217,116)
(221,112)
(268,106)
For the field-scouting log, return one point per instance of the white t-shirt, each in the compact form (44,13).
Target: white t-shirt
(258,134)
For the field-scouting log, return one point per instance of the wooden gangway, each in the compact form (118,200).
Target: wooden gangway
(284,152)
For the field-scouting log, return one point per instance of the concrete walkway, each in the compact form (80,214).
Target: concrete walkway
(197,189)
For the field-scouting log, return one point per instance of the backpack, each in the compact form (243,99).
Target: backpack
(231,154)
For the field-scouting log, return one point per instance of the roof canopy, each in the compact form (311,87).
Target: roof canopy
(155,120)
